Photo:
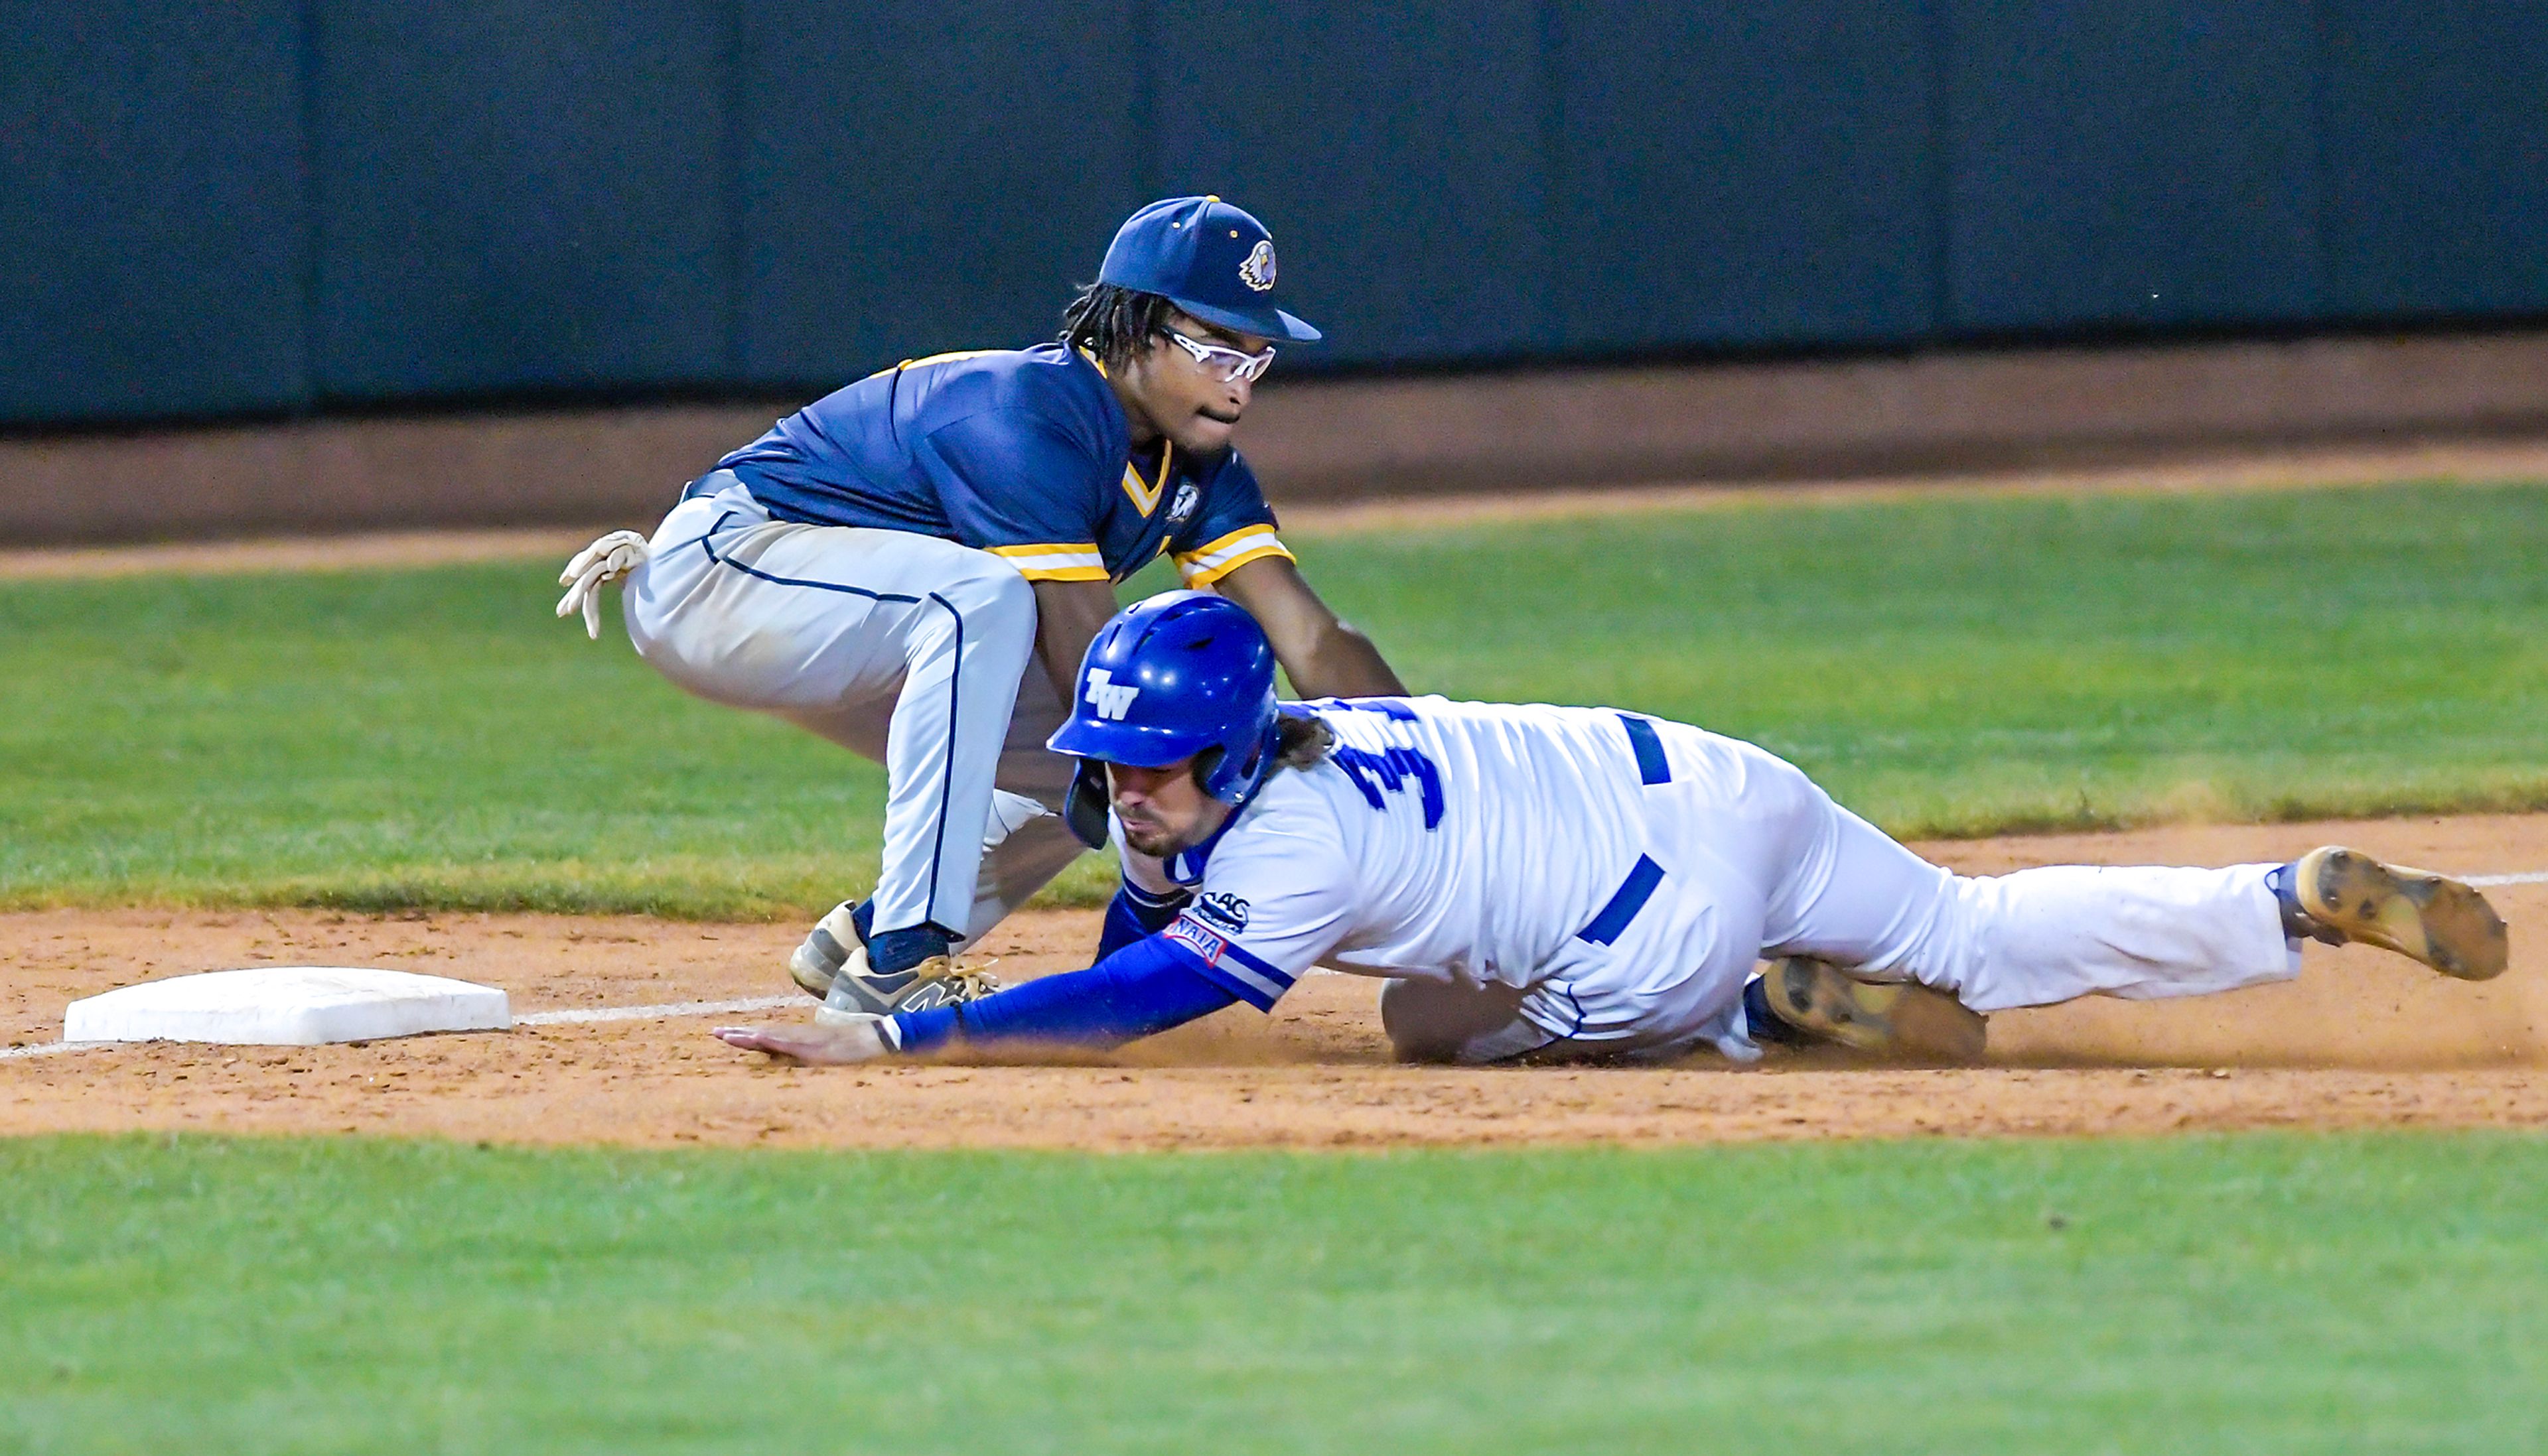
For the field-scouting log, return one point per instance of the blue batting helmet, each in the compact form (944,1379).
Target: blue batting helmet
(1180,674)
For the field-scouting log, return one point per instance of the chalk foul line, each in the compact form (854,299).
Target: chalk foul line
(49,1048)
(666,1010)
(657,1013)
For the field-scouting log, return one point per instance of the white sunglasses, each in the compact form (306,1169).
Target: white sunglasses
(1227,364)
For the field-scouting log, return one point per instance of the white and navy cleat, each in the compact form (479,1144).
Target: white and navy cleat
(859,990)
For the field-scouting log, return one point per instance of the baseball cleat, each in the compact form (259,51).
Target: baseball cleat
(814,962)
(2421,915)
(859,990)
(1903,1020)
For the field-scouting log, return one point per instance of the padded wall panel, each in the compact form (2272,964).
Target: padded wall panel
(254,205)
(2438,157)
(153,239)
(2131,162)
(1732,175)
(922,177)
(520,195)
(1395,150)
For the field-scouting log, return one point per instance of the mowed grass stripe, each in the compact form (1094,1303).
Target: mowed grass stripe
(1949,666)
(2282,1293)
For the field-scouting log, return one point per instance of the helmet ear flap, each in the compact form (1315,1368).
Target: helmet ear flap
(1207,769)
(1084,807)
(1216,774)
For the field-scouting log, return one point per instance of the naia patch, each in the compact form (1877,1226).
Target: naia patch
(1200,940)
(1259,271)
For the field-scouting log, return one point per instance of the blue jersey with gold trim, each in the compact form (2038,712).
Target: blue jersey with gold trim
(1024,453)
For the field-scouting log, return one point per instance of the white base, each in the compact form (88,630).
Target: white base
(288,1006)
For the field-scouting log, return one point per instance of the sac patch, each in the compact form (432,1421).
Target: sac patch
(1223,909)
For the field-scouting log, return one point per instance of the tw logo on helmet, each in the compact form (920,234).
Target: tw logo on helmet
(1111,698)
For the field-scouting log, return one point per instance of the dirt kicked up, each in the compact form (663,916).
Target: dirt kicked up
(2362,1039)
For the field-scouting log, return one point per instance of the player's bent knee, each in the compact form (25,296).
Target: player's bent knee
(991,608)
(1430,1022)
(1005,591)
(991,589)
(1412,1036)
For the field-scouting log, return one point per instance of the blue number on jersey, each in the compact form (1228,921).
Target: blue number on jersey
(1388,772)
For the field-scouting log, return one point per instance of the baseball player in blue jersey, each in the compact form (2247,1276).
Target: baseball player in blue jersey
(1581,883)
(886,566)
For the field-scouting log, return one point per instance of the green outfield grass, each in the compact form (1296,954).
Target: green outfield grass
(2282,1294)
(1947,667)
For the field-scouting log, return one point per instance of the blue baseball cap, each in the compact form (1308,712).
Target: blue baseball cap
(1207,258)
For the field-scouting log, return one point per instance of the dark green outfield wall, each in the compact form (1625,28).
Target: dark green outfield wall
(273,205)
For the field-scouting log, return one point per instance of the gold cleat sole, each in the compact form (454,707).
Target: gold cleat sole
(1902,1021)
(2421,915)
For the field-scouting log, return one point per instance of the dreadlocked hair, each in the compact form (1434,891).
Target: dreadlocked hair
(1112,322)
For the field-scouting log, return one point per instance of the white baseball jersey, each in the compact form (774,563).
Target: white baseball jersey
(1626,871)
(1451,841)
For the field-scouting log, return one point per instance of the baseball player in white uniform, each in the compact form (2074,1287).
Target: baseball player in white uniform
(912,565)
(1582,883)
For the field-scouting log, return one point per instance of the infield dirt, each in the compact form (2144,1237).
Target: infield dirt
(2361,1039)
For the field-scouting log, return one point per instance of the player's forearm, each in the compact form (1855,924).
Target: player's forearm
(1069,615)
(1139,991)
(1322,656)
(1342,663)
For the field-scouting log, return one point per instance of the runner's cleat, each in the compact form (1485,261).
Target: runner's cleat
(2421,915)
(1899,1021)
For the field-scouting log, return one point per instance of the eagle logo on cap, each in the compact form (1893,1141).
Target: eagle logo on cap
(1259,271)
